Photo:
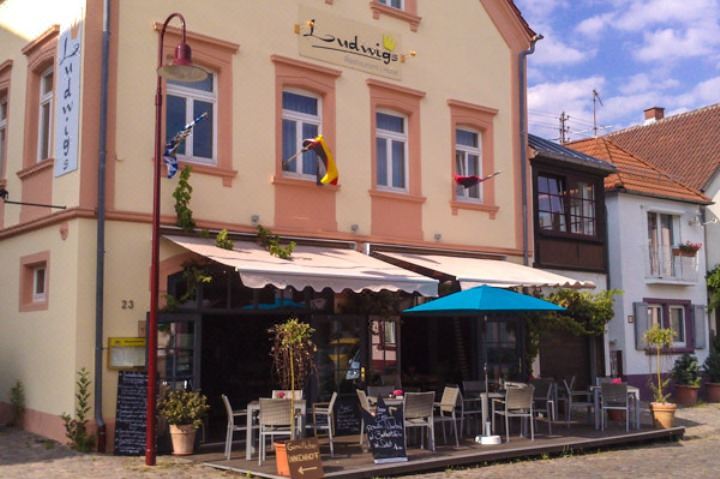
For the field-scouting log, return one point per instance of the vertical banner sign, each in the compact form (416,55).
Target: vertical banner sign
(67,98)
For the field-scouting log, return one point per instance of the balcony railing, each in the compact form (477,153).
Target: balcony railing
(669,264)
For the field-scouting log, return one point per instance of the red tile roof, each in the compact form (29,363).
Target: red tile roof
(635,175)
(687,146)
(531,33)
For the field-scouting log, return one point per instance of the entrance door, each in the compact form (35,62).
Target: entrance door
(178,359)
(342,352)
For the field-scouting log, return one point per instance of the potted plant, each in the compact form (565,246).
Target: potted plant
(687,248)
(662,410)
(293,354)
(712,369)
(686,374)
(183,411)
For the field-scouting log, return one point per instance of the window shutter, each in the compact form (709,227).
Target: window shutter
(642,324)
(699,323)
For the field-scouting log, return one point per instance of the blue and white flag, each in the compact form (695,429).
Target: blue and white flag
(170,155)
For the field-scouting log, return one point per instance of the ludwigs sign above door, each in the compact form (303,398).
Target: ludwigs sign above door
(348,43)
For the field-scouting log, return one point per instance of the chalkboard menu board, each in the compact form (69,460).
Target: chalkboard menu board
(131,413)
(386,434)
(347,416)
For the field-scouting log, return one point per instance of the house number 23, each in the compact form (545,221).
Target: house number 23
(127,304)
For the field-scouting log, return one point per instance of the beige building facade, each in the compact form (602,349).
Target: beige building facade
(405,97)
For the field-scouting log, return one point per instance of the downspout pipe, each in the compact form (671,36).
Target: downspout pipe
(100,254)
(522,82)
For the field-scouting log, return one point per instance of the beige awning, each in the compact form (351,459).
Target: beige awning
(317,267)
(471,272)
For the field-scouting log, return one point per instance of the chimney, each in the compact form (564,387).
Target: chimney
(654,114)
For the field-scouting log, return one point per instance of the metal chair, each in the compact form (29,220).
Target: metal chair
(577,399)
(231,426)
(518,402)
(614,396)
(544,400)
(285,393)
(446,408)
(275,420)
(365,405)
(418,412)
(325,409)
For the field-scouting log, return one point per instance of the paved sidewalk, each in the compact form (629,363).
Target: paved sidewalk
(26,456)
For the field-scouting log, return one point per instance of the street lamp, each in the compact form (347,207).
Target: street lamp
(183,70)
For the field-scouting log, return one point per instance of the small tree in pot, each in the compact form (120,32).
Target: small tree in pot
(293,354)
(662,410)
(712,369)
(184,412)
(686,374)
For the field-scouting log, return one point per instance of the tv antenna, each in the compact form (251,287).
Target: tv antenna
(596,100)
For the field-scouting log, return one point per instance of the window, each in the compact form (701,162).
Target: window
(185,102)
(38,292)
(677,324)
(399,4)
(566,205)
(468,162)
(662,235)
(391,148)
(301,119)
(45,115)
(34,282)
(3,130)
(655,317)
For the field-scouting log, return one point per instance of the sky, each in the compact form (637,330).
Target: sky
(635,53)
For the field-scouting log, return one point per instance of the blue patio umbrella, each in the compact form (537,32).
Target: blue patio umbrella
(482,299)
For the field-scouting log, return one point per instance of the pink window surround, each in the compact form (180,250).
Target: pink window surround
(301,204)
(407,14)
(478,118)
(36,176)
(28,264)
(5,71)
(396,214)
(217,56)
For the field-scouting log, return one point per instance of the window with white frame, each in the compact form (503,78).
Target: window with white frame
(677,324)
(45,114)
(301,119)
(38,284)
(468,162)
(662,235)
(391,147)
(3,128)
(399,4)
(185,102)
(655,315)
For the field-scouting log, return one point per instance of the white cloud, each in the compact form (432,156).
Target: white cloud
(644,13)
(593,26)
(670,44)
(704,93)
(552,51)
(644,82)
(539,10)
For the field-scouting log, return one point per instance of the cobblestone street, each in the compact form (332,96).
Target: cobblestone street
(24,455)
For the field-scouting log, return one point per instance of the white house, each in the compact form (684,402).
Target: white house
(650,215)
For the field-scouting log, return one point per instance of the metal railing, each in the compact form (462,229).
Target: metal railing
(670,264)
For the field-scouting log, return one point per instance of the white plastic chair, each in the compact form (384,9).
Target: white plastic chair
(285,394)
(232,427)
(325,409)
(365,405)
(418,412)
(518,403)
(577,399)
(614,396)
(274,421)
(446,411)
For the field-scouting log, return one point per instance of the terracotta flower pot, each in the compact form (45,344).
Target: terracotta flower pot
(663,414)
(712,392)
(281,459)
(183,439)
(686,395)
(616,415)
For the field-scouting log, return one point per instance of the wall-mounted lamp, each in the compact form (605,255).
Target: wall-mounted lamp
(255,219)
(405,56)
(438,236)
(354,228)
(297,28)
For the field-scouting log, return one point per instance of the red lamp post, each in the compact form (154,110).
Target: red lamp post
(181,69)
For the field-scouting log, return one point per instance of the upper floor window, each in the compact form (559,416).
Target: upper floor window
(3,129)
(566,205)
(391,140)
(38,281)
(185,102)
(468,162)
(662,235)
(45,115)
(399,4)
(301,119)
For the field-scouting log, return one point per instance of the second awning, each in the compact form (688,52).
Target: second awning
(471,272)
(311,266)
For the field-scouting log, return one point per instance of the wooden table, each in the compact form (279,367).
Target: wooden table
(253,410)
